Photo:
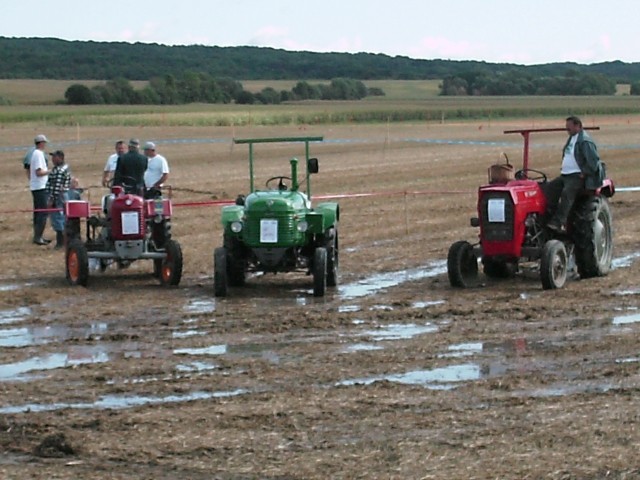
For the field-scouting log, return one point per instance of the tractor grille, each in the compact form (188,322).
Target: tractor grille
(497,213)
(287,232)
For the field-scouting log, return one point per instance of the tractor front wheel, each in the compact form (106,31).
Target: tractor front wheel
(462,265)
(553,265)
(77,260)
(220,277)
(171,267)
(593,238)
(333,259)
(319,272)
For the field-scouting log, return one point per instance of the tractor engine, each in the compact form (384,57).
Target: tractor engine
(509,217)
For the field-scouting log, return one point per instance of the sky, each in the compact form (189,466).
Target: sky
(497,31)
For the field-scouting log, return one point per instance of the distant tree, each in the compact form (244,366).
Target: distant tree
(78,94)
(269,96)
(635,88)
(245,98)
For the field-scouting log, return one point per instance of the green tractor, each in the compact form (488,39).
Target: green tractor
(276,229)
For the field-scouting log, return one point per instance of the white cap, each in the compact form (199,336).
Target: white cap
(40,138)
(149,146)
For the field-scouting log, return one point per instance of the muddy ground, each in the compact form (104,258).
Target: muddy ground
(393,374)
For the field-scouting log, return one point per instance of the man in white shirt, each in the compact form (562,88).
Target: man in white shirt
(112,162)
(38,176)
(157,168)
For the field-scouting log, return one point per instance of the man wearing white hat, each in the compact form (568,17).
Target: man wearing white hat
(157,168)
(38,176)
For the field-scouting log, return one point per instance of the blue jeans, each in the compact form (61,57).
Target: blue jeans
(57,218)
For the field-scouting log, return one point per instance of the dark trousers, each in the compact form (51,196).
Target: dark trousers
(40,202)
(561,193)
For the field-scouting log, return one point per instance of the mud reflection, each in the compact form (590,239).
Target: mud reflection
(15,315)
(625,261)
(199,305)
(462,350)
(381,281)
(114,402)
(626,319)
(17,370)
(444,378)
(40,335)
(399,331)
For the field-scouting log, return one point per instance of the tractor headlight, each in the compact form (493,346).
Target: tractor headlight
(236,227)
(158,219)
(303,226)
(128,202)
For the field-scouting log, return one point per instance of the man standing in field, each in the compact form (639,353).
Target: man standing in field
(112,162)
(38,176)
(57,186)
(157,169)
(130,169)
(581,169)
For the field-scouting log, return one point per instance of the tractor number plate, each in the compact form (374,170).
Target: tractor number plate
(130,223)
(495,210)
(268,231)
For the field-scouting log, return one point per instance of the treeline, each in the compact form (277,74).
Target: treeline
(194,87)
(519,83)
(51,58)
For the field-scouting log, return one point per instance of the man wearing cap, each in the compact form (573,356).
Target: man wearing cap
(112,161)
(157,169)
(57,185)
(130,169)
(38,175)
(26,161)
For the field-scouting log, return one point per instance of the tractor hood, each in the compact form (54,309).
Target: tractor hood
(276,201)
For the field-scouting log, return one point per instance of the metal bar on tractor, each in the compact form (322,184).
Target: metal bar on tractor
(525,132)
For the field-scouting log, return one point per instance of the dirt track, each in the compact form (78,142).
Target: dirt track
(394,374)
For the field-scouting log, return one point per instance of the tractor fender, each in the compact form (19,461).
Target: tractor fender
(232,213)
(325,215)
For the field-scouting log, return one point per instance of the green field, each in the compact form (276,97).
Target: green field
(34,102)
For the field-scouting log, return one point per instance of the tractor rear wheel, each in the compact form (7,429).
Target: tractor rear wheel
(553,265)
(77,260)
(220,277)
(462,265)
(593,237)
(319,272)
(332,259)
(171,268)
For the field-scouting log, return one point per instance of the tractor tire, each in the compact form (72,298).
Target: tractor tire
(72,229)
(462,265)
(319,272)
(220,275)
(333,259)
(236,270)
(171,268)
(593,237)
(498,269)
(77,260)
(553,265)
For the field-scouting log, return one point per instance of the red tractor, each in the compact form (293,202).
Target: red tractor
(512,219)
(127,228)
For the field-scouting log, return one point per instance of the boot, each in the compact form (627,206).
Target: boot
(38,230)
(59,240)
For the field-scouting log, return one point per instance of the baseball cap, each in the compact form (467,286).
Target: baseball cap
(134,142)
(58,153)
(40,138)
(149,146)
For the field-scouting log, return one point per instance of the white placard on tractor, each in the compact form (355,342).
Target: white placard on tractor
(268,231)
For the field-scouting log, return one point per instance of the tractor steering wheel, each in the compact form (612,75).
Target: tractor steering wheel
(281,184)
(537,176)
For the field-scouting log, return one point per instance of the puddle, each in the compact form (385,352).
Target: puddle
(628,360)
(15,315)
(399,331)
(210,350)
(196,367)
(623,293)
(361,347)
(349,308)
(17,371)
(200,306)
(427,303)
(626,261)
(384,308)
(381,281)
(187,334)
(114,402)
(626,319)
(40,335)
(462,350)
(443,378)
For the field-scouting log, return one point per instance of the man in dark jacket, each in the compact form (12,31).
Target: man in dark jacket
(130,169)
(581,169)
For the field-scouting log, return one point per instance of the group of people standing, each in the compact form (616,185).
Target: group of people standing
(52,187)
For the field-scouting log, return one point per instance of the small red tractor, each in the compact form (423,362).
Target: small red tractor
(512,217)
(127,228)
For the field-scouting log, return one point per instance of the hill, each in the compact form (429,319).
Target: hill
(51,58)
